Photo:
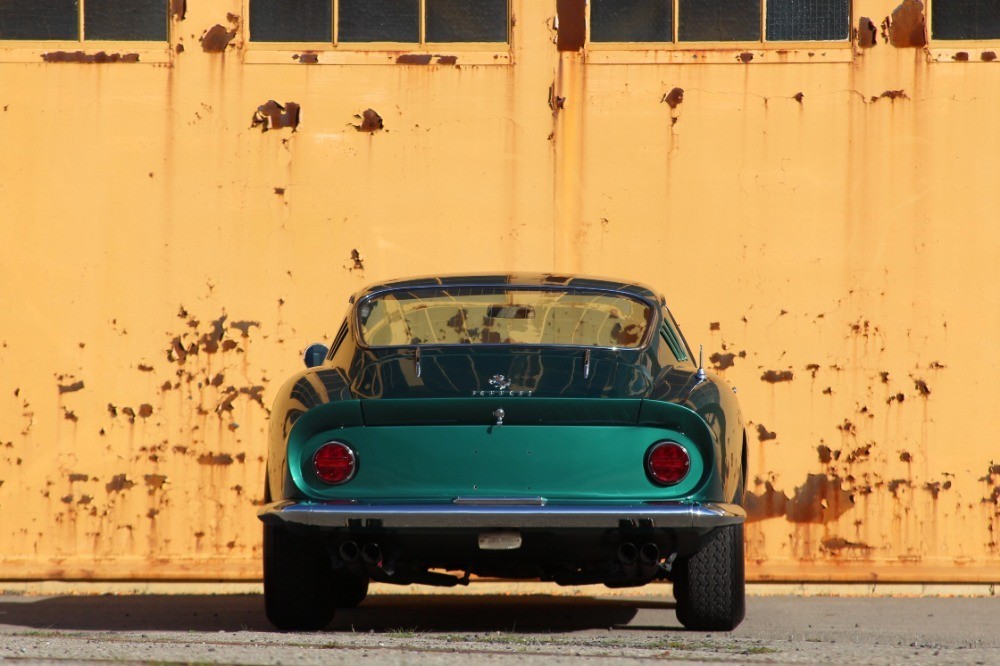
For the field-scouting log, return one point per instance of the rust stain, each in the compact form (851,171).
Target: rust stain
(896,484)
(820,500)
(556,102)
(906,26)
(70,388)
(112,410)
(179,48)
(988,56)
(899,397)
(447,60)
(905,456)
(145,368)
(119,483)
(799,96)
(243,326)
(272,115)
(154,481)
(775,376)
(370,121)
(572,24)
(825,454)
(280,191)
(813,368)
(145,410)
(73,478)
(307,58)
(673,99)
(884,376)
(130,413)
(152,513)
(892,95)
(70,415)
(936,487)
(714,326)
(178,9)
(961,56)
(89,58)
(216,39)
(359,263)
(215,459)
(414,59)
(764,435)
(867,33)
(839,543)
(921,387)
(745,57)
(85,499)
(722,361)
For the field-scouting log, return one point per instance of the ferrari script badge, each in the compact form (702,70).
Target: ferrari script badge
(499,382)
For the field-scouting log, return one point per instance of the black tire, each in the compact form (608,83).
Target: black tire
(349,590)
(299,586)
(710,586)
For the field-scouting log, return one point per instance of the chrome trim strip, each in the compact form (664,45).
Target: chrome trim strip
(665,514)
(500,501)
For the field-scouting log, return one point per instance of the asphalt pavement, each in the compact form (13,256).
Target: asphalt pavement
(592,626)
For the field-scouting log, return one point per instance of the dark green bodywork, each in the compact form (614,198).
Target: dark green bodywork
(580,436)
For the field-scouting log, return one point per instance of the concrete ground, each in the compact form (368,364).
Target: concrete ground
(588,624)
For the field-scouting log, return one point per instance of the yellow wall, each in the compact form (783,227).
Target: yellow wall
(843,236)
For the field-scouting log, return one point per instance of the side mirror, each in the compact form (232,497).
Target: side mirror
(315,355)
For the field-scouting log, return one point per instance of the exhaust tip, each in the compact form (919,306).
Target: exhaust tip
(349,551)
(371,553)
(627,553)
(649,553)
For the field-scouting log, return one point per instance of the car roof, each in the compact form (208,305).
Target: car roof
(519,279)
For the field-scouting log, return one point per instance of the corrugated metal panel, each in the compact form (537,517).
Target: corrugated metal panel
(823,220)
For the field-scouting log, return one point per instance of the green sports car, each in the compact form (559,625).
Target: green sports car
(514,426)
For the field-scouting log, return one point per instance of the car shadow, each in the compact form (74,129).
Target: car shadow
(378,613)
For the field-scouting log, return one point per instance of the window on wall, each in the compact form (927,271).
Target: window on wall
(373,21)
(719,20)
(67,20)
(965,19)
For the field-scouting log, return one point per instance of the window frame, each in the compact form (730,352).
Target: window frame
(34,50)
(337,52)
(761,50)
(948,50)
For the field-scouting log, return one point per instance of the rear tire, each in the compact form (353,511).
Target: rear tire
(710,586)
(299,589)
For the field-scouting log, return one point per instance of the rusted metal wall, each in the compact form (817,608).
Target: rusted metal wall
(178,224)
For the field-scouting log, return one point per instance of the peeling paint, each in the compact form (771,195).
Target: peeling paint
(722,361)
(988,56)
(89,58)
(921,387)
(745,57)
(119,483)
(907,27)
(216,39)
(307,58)
(358,261)
(271,115)
(674,98)
(775,376)
(867,33)
(961,56)
(413,59)
(891,95)
(145,410)
(70,388)
(154,481)
(178,9)
(839,543)
(215,459)
(572,24)
(764,435)
(370,121)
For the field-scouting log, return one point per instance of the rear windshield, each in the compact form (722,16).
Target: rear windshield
(503,315)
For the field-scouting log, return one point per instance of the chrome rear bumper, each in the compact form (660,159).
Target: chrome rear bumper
(499,515)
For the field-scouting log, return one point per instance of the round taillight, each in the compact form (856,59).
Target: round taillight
(334,463)
(668,463)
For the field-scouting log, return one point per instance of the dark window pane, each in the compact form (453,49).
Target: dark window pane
(39,19)
(466,20)
(291,21)
(808,20)
(142,20)
(379,21)
(966,19)
(719,21)
(631,21)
